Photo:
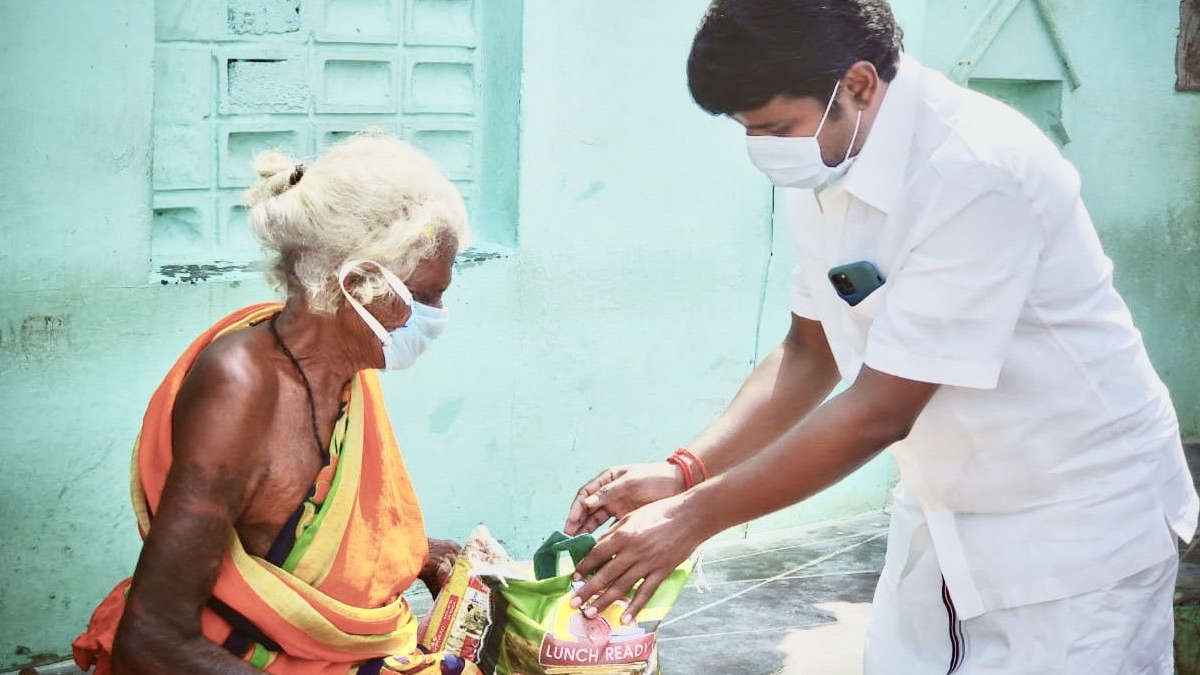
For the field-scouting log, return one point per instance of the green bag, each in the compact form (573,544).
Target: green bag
(537,631)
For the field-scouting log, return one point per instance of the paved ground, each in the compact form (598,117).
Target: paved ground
(1188,589)
(792,605)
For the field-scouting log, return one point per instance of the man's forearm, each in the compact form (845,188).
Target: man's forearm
(829,444)
(782,389)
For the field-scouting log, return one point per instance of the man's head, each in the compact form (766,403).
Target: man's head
(773,64)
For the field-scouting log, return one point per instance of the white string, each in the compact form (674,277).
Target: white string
(853,138)
(828,106)
(393,281)
(701,581)
(764,582)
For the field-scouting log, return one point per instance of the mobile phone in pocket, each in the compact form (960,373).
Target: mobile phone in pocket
(854,281)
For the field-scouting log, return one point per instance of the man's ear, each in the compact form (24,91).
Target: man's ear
(862,82)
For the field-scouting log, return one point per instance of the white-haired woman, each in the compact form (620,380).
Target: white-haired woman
(280,526)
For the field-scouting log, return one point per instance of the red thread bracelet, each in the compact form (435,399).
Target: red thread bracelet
(688,482)
(684,452)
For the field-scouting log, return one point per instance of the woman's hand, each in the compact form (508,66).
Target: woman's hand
(439,564)
(619,490)
(646,544)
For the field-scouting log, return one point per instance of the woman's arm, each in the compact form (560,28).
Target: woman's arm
(213,474)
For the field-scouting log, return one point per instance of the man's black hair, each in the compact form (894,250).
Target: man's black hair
(747,52)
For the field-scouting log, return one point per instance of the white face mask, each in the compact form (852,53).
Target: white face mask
(402,346)
(795,161)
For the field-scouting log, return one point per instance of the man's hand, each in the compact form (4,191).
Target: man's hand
(619,490)
(647,544)
(439,565)
(841,435)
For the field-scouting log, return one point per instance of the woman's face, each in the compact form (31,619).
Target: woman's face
(427,283)
(432,277)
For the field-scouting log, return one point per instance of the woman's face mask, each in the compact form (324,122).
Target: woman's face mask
(795,161)
(403,345)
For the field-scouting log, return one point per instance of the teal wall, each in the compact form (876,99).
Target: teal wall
(641,268)
(1135,140)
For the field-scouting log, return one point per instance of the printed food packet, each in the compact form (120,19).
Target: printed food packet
(535,631)
(514,617)
(462,613)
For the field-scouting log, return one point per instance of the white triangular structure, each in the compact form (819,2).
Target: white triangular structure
(1015,40)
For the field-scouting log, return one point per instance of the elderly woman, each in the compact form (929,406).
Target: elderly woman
(280,526)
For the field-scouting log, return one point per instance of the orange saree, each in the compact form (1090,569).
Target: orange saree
(335,604)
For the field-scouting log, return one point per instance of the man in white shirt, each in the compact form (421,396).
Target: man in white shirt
(1043,487)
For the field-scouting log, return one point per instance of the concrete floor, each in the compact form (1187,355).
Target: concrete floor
(792,605)
(1188,589)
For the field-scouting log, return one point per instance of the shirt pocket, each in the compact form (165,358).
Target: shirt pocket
(865,312)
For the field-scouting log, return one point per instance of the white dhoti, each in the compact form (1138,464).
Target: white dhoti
(1126,628)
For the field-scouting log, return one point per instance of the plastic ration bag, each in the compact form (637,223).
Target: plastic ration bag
(515,618)
(537,632)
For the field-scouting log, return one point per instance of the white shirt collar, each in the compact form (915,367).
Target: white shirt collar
(877,174)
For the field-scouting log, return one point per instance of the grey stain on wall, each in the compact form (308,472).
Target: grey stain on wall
(591,190)
(259,17)
(445,414)
(266,85)
(191,274)
(472,257)
(36,337)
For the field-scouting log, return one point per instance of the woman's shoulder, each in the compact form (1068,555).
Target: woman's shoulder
(237,365)
(230,390)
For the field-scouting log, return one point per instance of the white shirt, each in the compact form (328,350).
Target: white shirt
(1048,463)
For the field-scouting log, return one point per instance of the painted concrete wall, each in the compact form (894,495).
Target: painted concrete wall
(75,98)
(236,77)
(622,322)
(1135,140)
(648,275)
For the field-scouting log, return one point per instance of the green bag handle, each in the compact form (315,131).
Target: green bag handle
(545,559)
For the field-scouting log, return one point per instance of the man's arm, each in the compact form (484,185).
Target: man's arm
(792,380)
(829,444)
(878,410)
(787,385)
(211,479)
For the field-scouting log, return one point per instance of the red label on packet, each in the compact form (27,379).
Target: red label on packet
(447,618)
(556,652)
(470,648)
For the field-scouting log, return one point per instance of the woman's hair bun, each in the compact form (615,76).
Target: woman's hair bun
(275,171)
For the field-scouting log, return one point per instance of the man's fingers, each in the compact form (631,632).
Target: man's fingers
(579,509)
(610,569)
(601,554)
(615,591)
(613,496)
(643,595)
(603,478)
(595,519)
(588,522)
(575,516)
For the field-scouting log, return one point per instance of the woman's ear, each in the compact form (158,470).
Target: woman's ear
(390,309)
